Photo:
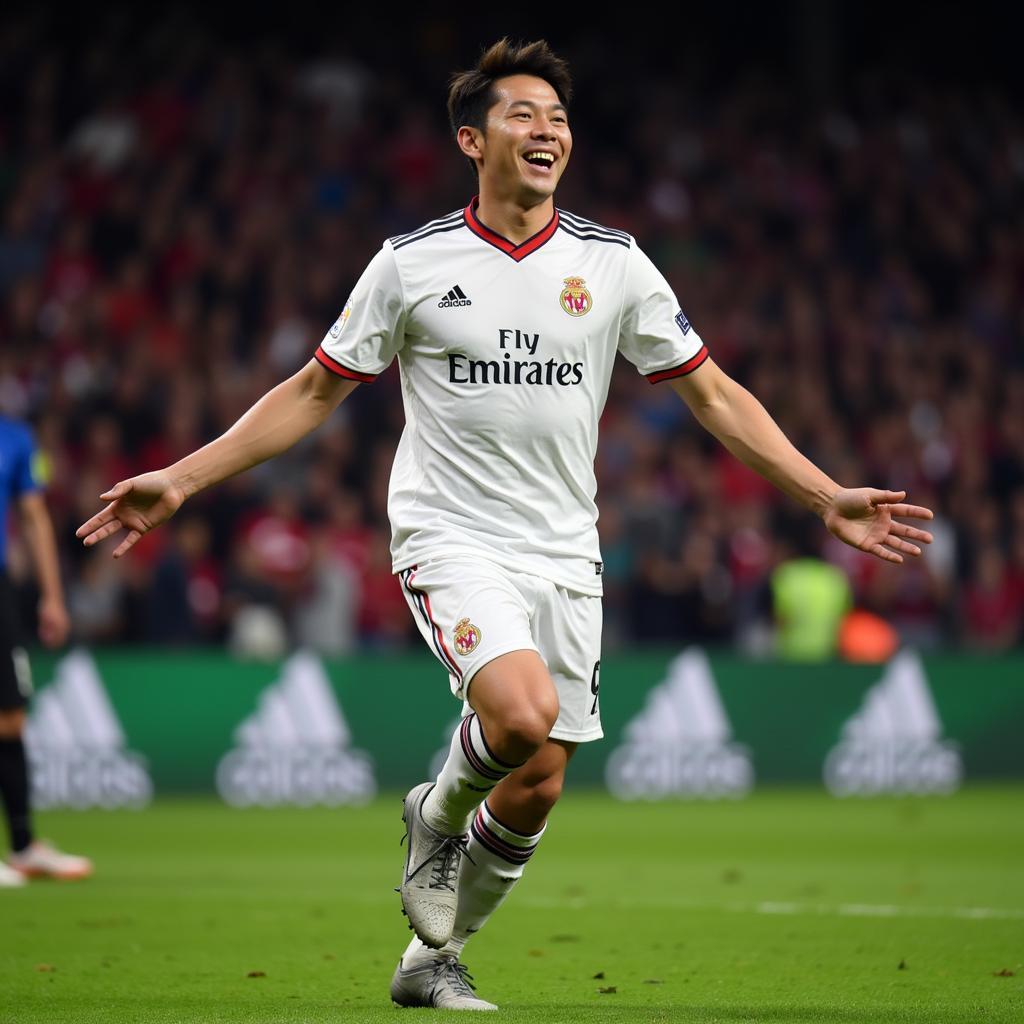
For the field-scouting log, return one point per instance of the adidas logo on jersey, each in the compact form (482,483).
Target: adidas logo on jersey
(294,749)
(680,742)
(75,746)
(892,744)
(456,297)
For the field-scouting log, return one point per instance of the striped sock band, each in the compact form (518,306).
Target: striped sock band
(488,769)
(502,841)
(470,773)
(497,859)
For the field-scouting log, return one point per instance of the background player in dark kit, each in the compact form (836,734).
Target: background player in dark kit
(19,487)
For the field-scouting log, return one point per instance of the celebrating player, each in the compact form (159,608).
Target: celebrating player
(29,857)
(506,318)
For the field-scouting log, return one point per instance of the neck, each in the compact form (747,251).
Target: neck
(509,218)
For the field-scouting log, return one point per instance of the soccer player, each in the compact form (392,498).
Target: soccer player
(29,857)
(505,318)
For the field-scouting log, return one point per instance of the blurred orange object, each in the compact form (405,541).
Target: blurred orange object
(864,637)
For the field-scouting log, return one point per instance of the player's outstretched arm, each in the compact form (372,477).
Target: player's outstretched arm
(278,420)
(38,529)
(862,517)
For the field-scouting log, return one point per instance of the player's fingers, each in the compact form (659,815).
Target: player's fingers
(901,545)
(911,511)
(100,519)
(102,533)
(885,497)
(885,554)
(119,490)
(127,543)
(53,634)
(911,532)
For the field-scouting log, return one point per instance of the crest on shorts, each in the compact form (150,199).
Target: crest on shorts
(575,298)
(339,324)
(466,636)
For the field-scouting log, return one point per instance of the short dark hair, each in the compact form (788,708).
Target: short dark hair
(471,93)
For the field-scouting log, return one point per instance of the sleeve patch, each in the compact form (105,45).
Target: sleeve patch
(339,324)
(682,322)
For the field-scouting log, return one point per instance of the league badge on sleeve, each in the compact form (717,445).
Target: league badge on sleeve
(575,298)
(682,322)
(466,637)
(339,324)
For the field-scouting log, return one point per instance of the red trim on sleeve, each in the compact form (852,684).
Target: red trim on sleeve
(342,371)
(682,370)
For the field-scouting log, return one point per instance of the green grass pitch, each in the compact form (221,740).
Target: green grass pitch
(787,907)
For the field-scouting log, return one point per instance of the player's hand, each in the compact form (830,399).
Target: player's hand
(136,505)
(863,518)
(54,623)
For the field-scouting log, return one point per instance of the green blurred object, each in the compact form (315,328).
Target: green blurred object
(789,908)
(809,599)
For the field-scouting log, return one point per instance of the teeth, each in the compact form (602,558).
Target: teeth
(550,157)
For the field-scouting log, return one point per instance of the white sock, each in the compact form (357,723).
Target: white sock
(416,953)
(499,857)
(469,774)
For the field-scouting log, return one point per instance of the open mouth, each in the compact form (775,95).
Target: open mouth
(541,160)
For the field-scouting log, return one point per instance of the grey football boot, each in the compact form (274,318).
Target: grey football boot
(441,982)
(432,862)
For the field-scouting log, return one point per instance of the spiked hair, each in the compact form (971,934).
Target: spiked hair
(471,93)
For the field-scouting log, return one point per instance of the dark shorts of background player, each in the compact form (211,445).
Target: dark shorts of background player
(15,683)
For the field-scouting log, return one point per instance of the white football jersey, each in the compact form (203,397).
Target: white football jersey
(505,353)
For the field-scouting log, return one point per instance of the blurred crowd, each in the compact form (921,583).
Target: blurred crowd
(180,224)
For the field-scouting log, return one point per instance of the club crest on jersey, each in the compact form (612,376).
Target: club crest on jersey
(575,298)
(339,324)
(466,637)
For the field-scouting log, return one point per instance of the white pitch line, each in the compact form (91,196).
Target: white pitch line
(880,910)
(782,907)
(773,907)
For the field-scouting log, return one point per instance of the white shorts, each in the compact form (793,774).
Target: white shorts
(471,611)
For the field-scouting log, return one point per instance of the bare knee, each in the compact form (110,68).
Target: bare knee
(516,701)
(527,727)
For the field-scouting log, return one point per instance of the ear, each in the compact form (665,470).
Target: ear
(471,142)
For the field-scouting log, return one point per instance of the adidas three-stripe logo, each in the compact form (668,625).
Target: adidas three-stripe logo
(456,297)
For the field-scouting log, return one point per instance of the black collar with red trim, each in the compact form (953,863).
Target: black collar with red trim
(517,252)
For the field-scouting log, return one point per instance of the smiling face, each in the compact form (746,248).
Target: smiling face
(524,151)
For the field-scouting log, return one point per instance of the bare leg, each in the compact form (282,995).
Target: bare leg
(524,799)
(515,706)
